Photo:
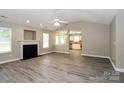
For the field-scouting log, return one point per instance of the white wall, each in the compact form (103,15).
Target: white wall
(18,35)
(95,37)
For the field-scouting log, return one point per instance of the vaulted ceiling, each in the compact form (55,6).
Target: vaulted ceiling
(45,16)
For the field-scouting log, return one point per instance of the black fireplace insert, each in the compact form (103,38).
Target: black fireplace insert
(30,51)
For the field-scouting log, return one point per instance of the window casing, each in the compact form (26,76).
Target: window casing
(45,40)
(5,39)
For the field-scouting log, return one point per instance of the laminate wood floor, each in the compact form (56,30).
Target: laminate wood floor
(60,68)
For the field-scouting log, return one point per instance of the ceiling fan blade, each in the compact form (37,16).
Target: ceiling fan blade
(56,19)
(65,22)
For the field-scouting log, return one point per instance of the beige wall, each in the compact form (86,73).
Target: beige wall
(18,35)
(95,38)
(29,35)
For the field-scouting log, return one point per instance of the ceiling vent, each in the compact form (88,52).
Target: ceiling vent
(4,16)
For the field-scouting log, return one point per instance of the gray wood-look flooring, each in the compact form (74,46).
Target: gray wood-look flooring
(58,68)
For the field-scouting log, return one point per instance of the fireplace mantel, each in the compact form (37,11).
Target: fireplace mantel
(27,42)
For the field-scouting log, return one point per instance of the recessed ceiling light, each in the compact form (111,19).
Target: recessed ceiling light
(41,25)
(28,21)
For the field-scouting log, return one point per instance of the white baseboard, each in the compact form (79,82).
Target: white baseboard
(115,68)
(119,69)
(11,60)
(95,56)
(45,53)
(61,52)
(15,59)
(112,64)
(54,51)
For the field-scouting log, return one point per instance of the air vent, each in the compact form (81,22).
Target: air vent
(4,16)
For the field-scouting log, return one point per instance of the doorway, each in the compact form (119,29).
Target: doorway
(75,42)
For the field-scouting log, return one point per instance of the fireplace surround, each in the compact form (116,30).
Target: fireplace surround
(29,49)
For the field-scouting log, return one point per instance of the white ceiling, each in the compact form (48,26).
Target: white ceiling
(45,16)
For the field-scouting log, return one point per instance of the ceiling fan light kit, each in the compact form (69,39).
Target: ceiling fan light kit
(56,24)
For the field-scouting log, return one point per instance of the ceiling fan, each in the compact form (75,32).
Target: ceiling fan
(58,22)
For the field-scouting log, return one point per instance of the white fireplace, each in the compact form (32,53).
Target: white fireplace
(28,42)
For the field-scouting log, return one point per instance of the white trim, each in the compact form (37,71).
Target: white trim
(120,69)
(11,60)
(45,53)
(55,52)
(28,42)
(95,56)
(116,68)
(10,31)
(61,52)
(113,65)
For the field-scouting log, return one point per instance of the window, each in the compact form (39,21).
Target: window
(57,40)
(71,38)
(76,38)
(60,40)
(45,40)
(5,40)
